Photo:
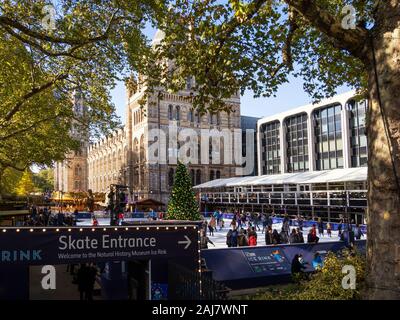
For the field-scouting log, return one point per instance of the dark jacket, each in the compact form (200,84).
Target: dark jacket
(234,238)
(268,238)
(242,240)
(297,267)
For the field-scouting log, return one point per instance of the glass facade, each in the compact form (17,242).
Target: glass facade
(271,159)
(297,143)
(358,138)
(328,137)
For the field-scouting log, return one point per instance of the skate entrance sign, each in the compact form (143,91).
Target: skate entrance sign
(77,245)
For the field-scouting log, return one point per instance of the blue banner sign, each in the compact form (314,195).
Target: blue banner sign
(76,245)
(253,264)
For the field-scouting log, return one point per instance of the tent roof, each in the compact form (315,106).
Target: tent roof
(336,175)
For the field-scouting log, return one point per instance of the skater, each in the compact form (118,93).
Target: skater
(211,226)
(329,229)
(358,232)
(320,228)
(293,238)
(204,240)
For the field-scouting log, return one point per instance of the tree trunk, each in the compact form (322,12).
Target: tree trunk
(383,130)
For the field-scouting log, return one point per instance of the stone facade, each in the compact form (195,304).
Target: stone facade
(71,175)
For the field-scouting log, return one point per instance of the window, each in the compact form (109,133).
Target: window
(218,174)
(170,112)
(190,117)
(328,137)
(211,175)
(192,176)
(270,142)
(358,138)
(198,176)
(178,113)
(297,143)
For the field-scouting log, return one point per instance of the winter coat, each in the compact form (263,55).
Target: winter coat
(242,240)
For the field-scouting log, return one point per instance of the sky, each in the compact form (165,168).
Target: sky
(289,96)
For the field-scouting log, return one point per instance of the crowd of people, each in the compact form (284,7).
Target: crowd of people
(44,217)
(244,226)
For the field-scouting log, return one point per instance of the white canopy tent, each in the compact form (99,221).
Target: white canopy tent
(327,176)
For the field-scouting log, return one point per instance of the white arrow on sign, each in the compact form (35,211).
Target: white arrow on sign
(188,242)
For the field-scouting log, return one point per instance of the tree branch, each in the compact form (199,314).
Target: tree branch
(6,21)
(353,40)
(32,93)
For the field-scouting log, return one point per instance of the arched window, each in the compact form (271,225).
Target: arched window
(211,175)
(136,150)
(171,177)
(210,118)
(178,113)
(190,116)
(198,176)
(170,112)
(198,117)
(78,171)
(218,119)
(218,175)
(142,156)
(192,176)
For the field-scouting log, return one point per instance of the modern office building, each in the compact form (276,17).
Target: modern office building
(311,160)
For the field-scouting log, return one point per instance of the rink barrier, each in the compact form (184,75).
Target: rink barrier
(250,267)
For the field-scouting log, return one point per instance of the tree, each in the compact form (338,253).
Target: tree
(182,204)
(44,180)
(256,44)
(25,185)
(9,181)
(48,54)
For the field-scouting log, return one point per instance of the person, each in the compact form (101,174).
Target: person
(358,232)
(152,215)
(229,238)
(317,262)
(256,220)
(252,237)
(293,238)
(276,239)
(300,222)
(82,280)
(340,228)
(300,236)
(91,274)
(297,267)
(314,230)
(268,236)
(286,226)
(270,221)
(234,238)
(204,240)
(211,226)
(95,222)
(312,237)
(242,239)
(329,229)
(221,224)
(264,222)
(320,227)
(233,223)
(283,236)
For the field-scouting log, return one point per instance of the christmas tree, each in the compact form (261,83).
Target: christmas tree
(182,204)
